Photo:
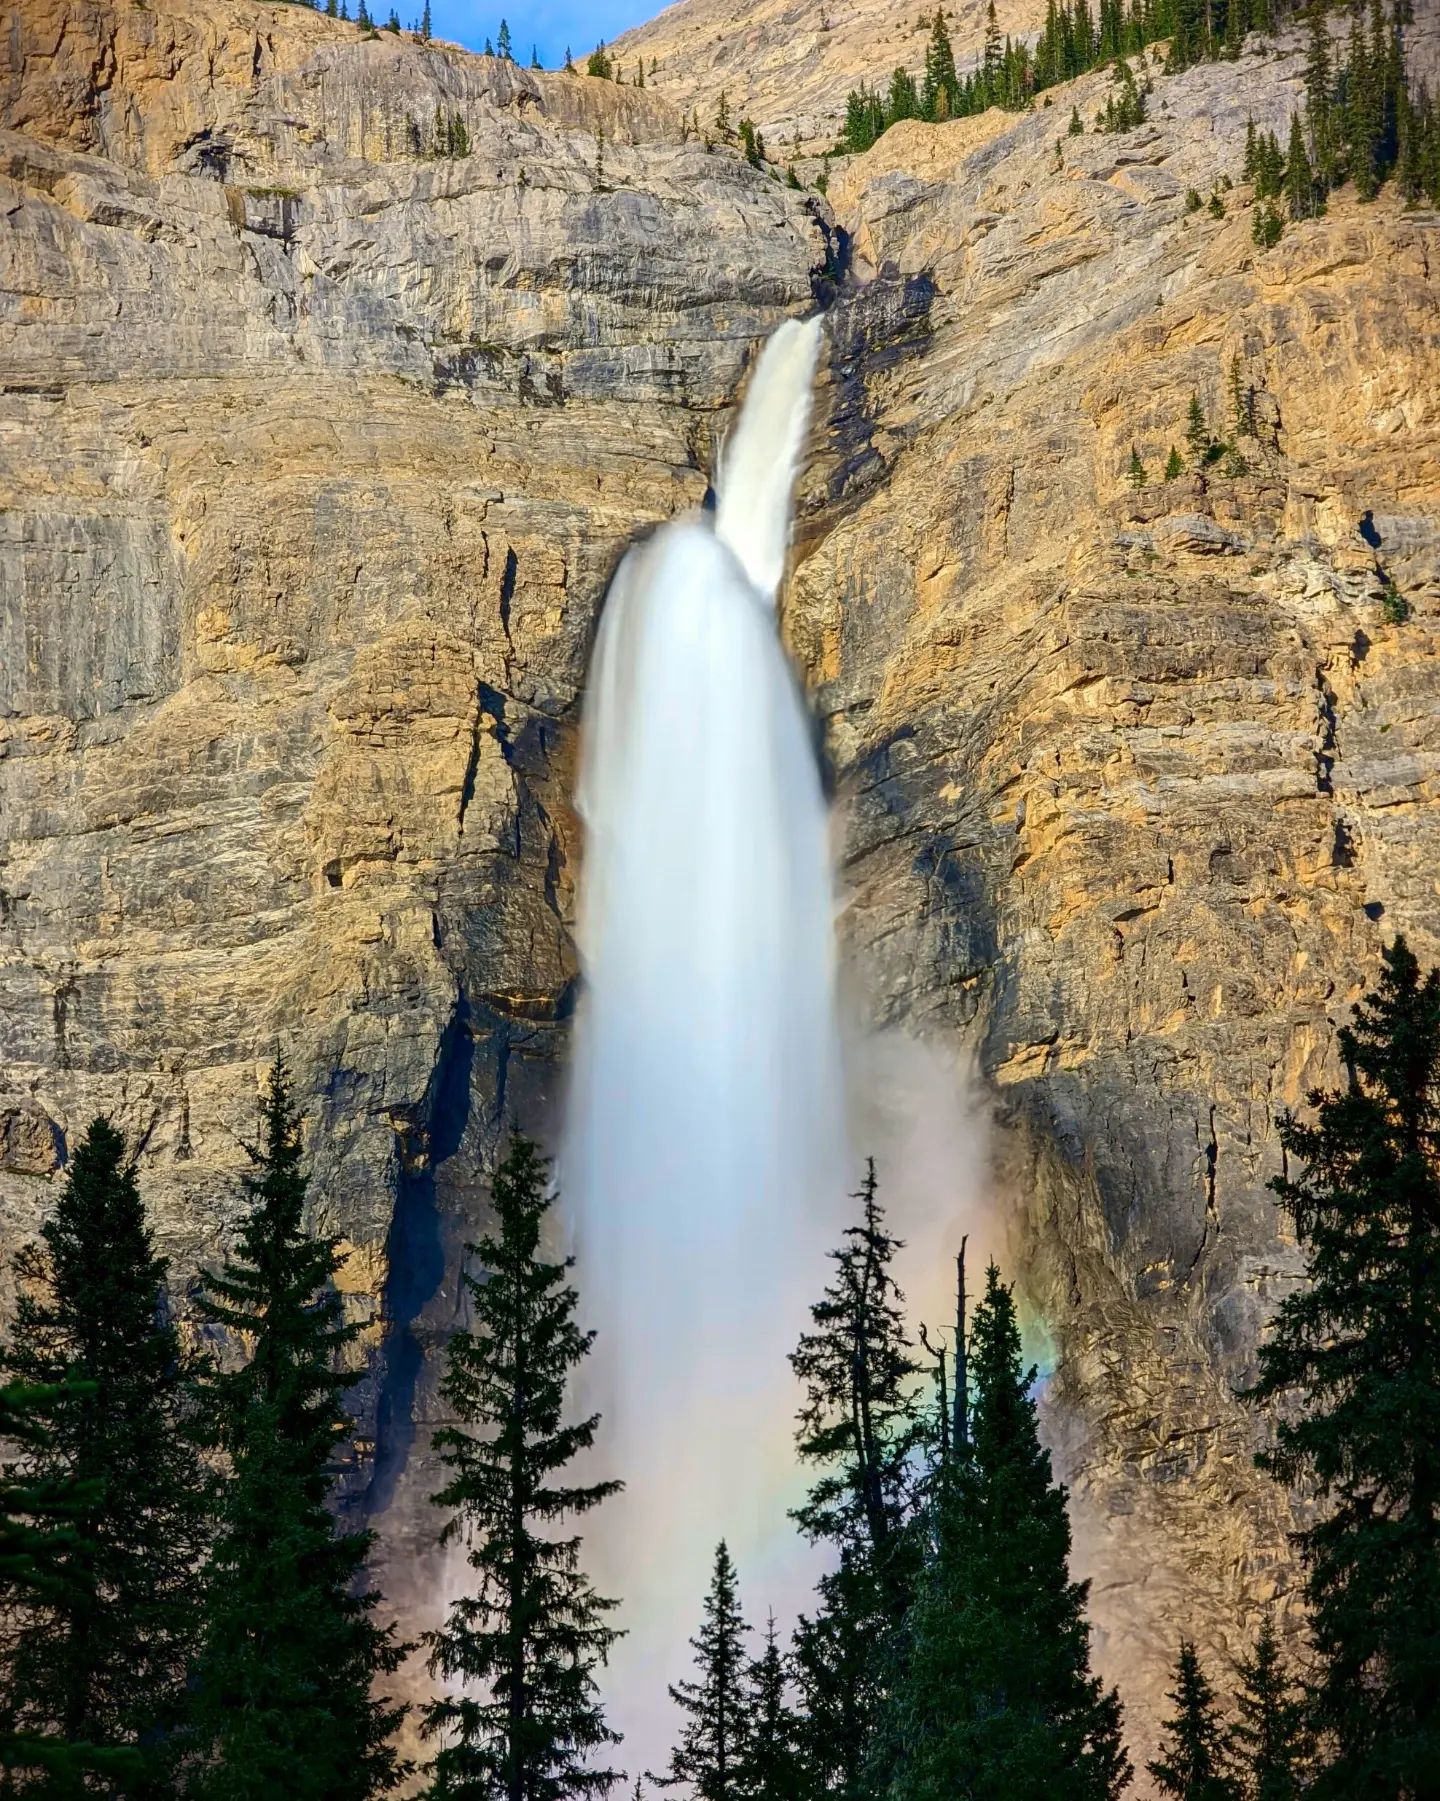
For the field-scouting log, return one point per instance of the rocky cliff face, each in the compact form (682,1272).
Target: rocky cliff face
(317,448)
(788,64)
(1137,781)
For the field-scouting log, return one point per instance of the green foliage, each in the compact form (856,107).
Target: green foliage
(722,116)
(1359,1347)
(97,1649)
(599,63)
(1135,474)
(775,1768)
(1174,465)
(1217,204)
(283,1700)
(752,144)
(1393,603)
(1075,129)
(521,1650)
(451,137)
(1124,110)
(1194,1760)
(860,1425)
(503,45)
(1197,431)
(1267,227)
(997,1702)
(713,1755)
(1269,1742)
(42,1515)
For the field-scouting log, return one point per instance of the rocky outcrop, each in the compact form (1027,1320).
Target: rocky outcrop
(789,64)
(317,449)
(1137,782)
(334,372)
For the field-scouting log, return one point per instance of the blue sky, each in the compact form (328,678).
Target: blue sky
(552,24)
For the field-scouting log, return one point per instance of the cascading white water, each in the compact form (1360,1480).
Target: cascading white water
(703,1163)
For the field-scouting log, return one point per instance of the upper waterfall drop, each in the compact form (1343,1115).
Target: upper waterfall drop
(703,1155)
(761,458)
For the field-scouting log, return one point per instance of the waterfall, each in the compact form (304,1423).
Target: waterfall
(703,1161)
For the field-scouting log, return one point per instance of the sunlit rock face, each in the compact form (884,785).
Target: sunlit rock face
(318,449)
(1136,782)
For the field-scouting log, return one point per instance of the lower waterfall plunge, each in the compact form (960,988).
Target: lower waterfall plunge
(704,1164)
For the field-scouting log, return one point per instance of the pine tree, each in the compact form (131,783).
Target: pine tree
(713,1755)
(722,115)
(1135,474)
(1174,465)
(1242,401)
(941,88)
(283,1699)
(1193,1764)
(1268,1742)
(1197,432)
(41,1517)
(998,1701)
(525,1644)
(502,43)
(1076,129)
(425,22)
(1301,192)
(600,64)
(100,1656)
(1359,1346)
(535,62)
(775,1769)
(904,98)
(861,1425)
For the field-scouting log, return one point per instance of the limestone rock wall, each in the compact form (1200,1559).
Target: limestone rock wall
(317,442)
(316,448)
(1137,782)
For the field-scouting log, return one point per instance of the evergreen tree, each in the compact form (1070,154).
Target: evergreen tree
(535,62)
(1301,192)
(941,89)
(41,1516)
(283,1702)
(1194,1763)
(1076,129)
(424,22)
(713,1755)
(1174,465)
(600,63)
(861,1425)
(998,1702)
(1267,227)
(1242,401)
(904,98)
(1359,1345)
(1135,474)
(775,1769)
(526,1643)
(1197,431)
(502,43)
(98,1655)
(1268,1742)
